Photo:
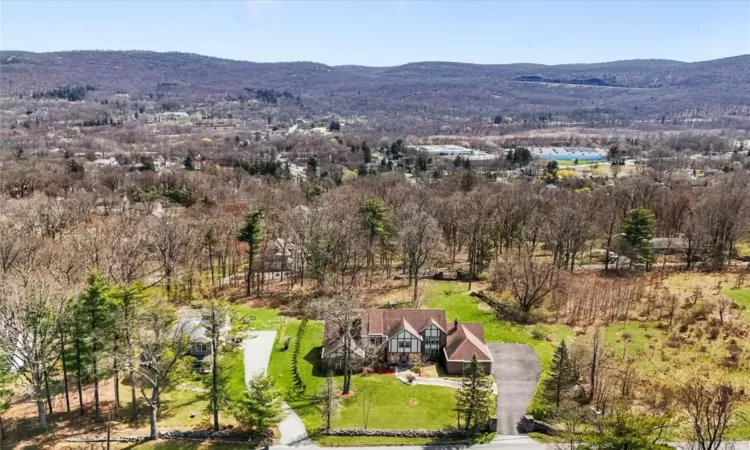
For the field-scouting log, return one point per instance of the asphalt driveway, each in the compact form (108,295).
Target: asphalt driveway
(517,370)
(257,348)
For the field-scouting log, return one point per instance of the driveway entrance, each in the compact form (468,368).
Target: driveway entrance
(516,369)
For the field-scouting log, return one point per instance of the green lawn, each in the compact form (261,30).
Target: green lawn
(391,408)
(455,300)
(740,296)
(370,441)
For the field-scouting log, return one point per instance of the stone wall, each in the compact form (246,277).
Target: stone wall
(397,433)
(224,435)
(528,424)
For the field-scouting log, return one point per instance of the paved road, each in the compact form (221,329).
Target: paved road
(517,370)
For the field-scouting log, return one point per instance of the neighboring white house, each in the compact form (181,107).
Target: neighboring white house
(200,341)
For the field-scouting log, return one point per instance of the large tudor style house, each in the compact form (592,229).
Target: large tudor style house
(409,336)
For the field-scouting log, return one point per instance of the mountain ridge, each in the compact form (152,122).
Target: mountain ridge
(430,89)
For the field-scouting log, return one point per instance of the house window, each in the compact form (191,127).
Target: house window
(200,348)
(432,352)
(433,340)
(404,345)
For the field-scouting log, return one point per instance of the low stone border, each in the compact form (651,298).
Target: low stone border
(226,435)
(396,433)
(528,424)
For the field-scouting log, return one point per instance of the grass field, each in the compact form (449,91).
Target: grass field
(391,409)
(457,303)
(740,296)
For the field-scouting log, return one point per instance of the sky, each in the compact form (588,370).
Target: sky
(384,33)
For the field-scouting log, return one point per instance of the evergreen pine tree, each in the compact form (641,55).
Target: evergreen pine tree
(189,162)
(299,385)
(260,405)
(560,376)
(473,399)
(95,311)
(251,234)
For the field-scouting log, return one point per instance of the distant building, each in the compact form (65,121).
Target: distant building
(169,115)
(449,151)
(282,256)
(669,246)
(568,153)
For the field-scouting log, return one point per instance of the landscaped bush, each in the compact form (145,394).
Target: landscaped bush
(416,369)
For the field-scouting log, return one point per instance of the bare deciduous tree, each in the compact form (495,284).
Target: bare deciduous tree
(711,408)
(29,320)
(419,238)
(529,280)
(162,346)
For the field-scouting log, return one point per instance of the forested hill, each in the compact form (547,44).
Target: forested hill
(630,89)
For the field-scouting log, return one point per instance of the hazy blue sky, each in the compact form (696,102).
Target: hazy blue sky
(387,33)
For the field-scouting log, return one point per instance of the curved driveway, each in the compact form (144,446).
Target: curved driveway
(516,369)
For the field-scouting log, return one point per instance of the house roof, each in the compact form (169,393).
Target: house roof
(669,243)
(195,328)
(465,341)
(333,341)
(432,322)
(390,322)
(404,326)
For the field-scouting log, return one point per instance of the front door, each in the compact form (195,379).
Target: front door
(403,359)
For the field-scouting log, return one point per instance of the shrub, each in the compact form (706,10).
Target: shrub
(701,310)
(416,369)
(674,341)
(713,333)
(538,334)
(410,377)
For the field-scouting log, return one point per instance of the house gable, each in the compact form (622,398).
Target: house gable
(405,342)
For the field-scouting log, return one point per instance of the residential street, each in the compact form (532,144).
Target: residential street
(516,370)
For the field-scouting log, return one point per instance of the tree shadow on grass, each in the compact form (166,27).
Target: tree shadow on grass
(313,357)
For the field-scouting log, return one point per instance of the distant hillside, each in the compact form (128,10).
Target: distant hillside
(622,89)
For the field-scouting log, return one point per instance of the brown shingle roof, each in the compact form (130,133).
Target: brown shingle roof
(374,325)
(332,340)
(465,341)
(404,326)
(390,321)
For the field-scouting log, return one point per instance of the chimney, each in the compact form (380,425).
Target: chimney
(455,324)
